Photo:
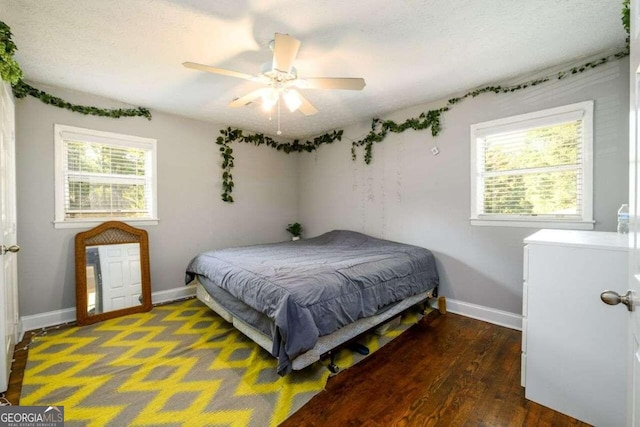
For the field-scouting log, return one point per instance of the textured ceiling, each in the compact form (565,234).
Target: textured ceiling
(408,51)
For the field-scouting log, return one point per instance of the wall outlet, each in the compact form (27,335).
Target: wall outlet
(435,151)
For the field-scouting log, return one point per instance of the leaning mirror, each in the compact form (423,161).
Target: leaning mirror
(112,272)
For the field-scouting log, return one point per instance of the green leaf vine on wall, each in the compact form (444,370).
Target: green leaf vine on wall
(9,69)
(380,128)
(10,72)
(229,136)
(626,19)
(22,89)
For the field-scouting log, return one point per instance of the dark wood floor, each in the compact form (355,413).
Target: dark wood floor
(448,370)
(17,370)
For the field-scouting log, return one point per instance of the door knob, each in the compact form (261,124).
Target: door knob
(12,248)
(614,298)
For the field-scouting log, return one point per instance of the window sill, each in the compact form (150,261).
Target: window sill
(534,223)
(92,223)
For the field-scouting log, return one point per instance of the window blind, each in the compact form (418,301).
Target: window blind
(533,172)
(103,180)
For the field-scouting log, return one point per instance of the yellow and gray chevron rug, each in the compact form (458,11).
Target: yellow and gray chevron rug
(178,365)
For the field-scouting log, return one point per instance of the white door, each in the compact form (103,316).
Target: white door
(121,276)
(8,247)
(633,394)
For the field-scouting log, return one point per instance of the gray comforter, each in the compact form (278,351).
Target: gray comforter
(312,287)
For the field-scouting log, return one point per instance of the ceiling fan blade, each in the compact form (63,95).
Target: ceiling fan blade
(306,107)
(285,50)
(244,100)
(222,71)
(346,83)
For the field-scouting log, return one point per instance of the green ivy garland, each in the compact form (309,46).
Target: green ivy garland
(229,135)
(626,19)
(22,89)
(431,119)
(9,69)
(10,72)
(381,128)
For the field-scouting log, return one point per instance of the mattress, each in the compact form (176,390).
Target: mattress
(311,288)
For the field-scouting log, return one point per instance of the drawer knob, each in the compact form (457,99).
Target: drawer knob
(614,298)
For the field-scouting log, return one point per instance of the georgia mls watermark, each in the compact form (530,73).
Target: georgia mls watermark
(31,416)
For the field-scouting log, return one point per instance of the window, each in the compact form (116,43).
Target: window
(103,176)
(534,170)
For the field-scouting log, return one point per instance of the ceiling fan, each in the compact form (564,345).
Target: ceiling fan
(282,79)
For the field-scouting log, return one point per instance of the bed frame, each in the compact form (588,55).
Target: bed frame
(327,345)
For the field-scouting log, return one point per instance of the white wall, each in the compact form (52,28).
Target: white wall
(409,195)
(192,216)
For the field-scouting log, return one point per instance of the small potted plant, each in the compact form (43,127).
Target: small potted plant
(296,230)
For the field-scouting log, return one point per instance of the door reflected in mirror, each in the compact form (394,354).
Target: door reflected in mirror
(114,279)
(112,272)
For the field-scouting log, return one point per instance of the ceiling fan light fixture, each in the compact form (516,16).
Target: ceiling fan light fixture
(280,77)
(292,99)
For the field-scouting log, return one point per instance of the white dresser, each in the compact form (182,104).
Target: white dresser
(574,345)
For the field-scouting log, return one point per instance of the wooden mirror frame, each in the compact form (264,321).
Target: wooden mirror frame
(110,233)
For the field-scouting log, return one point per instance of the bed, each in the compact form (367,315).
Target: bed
(301,299)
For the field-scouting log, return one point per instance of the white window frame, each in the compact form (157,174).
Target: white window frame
(91,135)
(581,110)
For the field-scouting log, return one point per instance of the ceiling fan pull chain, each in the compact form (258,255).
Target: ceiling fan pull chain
(279,131)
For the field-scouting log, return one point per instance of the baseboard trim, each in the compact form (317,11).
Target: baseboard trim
(50,318)
(474,311)
(173,294)
(66,315)
(486,314)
